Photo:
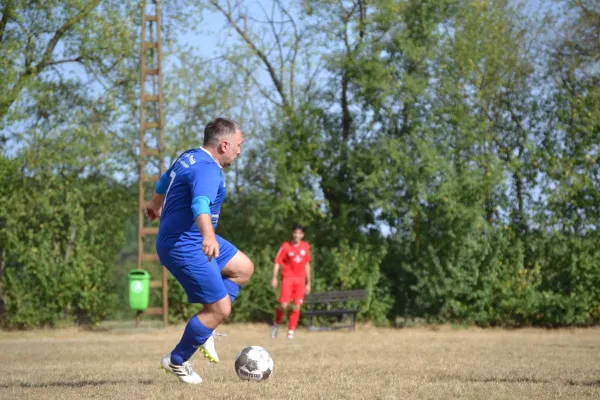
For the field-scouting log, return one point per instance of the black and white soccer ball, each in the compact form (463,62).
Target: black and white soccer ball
(254,364)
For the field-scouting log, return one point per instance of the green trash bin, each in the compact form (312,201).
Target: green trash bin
(139,289)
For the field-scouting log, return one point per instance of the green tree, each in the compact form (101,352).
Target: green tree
(62,224)
(568,255)
(38,40)
(61,234)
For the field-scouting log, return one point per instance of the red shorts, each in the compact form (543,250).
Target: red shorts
(292,289)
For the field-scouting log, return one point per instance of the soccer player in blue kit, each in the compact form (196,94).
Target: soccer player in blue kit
(188,200)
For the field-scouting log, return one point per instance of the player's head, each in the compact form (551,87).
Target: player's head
(297,233)
(225,137)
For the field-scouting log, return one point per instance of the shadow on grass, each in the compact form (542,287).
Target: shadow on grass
(72,384)
(509,380)
(534,380)
(523,380)
(570,345)
(68,384)
(588,384)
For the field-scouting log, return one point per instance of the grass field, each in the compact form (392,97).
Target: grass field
(370,363)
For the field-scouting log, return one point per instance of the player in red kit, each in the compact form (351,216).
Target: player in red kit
(294,259)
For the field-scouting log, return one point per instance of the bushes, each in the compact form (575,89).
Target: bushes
(495,286)
(59,244)
(354,266)
(570,280)
(61,236)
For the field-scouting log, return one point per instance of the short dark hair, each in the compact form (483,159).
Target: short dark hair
(298,227)
(217,128)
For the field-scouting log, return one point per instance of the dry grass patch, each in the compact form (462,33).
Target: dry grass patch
(367,364)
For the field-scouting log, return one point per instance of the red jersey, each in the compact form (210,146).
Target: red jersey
(293,259)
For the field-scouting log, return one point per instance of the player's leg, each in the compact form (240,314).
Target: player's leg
(198,333)
(280,311)
(285,295)
(203,285)
(211,316)
(229,272)
(297,300)
(279,314)
(236,267)
(236,273)
(293,320)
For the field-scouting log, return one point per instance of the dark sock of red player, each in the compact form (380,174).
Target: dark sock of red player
(279,313)
(294,317)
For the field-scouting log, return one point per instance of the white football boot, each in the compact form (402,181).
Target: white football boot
(208,350)
(184,372)
(274,331)
(290,334)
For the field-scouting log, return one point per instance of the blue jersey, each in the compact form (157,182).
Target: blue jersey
(195,174)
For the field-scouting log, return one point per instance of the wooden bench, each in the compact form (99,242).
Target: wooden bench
(333,304)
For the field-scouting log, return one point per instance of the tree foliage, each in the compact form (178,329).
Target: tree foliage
(442,154)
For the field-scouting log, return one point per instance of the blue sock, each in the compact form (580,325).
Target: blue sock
(195,334)
(232,288)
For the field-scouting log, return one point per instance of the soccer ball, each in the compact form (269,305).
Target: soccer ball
(254,364)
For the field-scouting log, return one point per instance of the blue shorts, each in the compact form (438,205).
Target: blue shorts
(201,279)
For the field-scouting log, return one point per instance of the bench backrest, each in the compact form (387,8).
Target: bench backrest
(336,297)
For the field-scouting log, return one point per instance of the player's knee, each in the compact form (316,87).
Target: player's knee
(240,269)
(250,269)
(219,310)
(296,307)
(283,306)
(223,311)
(246,272)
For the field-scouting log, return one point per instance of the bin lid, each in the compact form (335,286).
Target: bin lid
(139,274)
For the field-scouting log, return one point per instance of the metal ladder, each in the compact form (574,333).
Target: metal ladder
(151,153)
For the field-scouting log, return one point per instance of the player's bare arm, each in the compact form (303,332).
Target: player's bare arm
(274,281)
(154,207)
(210,246)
